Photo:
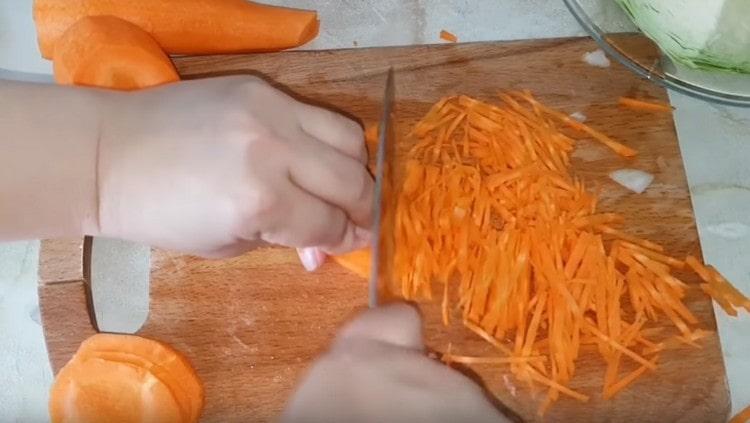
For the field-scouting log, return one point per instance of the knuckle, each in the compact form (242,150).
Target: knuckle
(259,206)
(363,187)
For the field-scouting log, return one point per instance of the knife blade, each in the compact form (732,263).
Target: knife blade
(380,249)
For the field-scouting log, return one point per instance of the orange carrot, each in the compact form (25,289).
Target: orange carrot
(741,417)
(643,105)
(126,378)
(108,52)
(359,262)
(490,209)
(447,36)
(613,389)
(464,359)
(186,26)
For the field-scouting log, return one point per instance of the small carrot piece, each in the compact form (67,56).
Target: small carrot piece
(648,106)
(448,36)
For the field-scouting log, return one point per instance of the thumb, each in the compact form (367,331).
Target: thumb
(396,324)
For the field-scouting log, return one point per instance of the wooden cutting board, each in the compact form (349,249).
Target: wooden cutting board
(252,324)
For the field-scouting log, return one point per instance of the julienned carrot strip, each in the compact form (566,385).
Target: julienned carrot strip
(698,268)
(660,270)
(649,106)
(186,26)
(447,36)
(670,261)
(465,359)
(627,380)
(630,238)
(737,298)
(719,299)
(562,117)
(563,389)
(620,348)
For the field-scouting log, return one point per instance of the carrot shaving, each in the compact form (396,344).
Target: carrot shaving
(490,209)
(447,36)
(647,106)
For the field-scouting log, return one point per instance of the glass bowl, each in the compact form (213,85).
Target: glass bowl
(608,24)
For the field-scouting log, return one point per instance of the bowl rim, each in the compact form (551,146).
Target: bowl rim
(667,80)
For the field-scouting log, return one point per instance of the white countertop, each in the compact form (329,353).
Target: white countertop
(715,143)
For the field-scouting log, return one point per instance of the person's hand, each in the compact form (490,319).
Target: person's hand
(216,167)
(376,371)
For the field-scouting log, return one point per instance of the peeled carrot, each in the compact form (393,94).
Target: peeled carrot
(186,26)
(165,363)
(100,390)
(741,417)
(125,378)
(108,52)
(643,105)
(448,36)
(358,261)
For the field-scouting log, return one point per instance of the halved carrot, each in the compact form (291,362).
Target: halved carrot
(108,52)
(165,363)
(186,26)
(645,105)
(359,262)
(96,390)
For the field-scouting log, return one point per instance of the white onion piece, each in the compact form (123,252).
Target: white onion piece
(596,58)
(580,117)
(632,179)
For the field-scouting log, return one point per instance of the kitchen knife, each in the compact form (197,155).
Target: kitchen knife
(382,244)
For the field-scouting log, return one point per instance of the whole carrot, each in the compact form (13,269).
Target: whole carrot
(186,26)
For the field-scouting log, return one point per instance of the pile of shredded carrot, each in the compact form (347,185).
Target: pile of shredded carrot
(491,216)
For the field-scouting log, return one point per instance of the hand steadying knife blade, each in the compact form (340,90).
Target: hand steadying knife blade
(380,250)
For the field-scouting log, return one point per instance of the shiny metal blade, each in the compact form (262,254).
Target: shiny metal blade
(385,142)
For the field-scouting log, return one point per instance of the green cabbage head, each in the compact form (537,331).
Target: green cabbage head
(702,34)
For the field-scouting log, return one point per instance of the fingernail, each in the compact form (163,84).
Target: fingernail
(311,258)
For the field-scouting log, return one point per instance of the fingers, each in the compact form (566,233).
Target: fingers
(300,219)
(311,257)
(396,324)
(338,131)
(336,178)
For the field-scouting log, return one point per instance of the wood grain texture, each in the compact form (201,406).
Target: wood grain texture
(252,324)
(60,260)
